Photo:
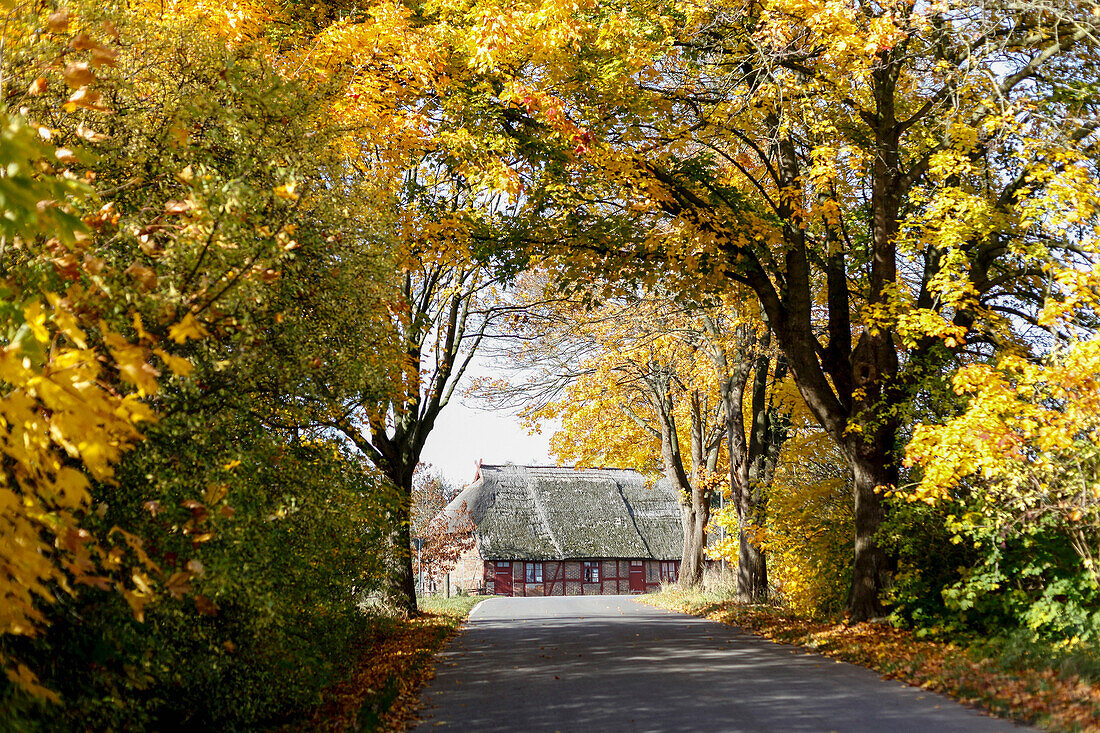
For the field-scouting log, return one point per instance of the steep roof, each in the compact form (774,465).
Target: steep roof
(549,513)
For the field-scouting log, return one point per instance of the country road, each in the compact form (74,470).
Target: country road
(607,663)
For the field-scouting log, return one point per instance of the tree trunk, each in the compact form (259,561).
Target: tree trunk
(753,455)
(871,465)
(687,523)
(693,514)
(871,453)
(399,592)
(694,518)
(752,570)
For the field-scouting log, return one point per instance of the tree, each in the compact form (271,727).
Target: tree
(444,310)
(1018,471)
(588,360)
(66,420)
(888,180)
(632,386)
(754,452)
(443,538)
(94,302)
(428,191)
(162,188)
(431,493)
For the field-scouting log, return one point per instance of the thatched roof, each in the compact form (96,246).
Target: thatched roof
(546,513)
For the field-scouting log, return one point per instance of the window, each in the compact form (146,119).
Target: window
(591,572)
(534,572)
(504,567)
(669,572)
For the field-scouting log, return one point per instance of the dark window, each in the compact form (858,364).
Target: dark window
(534,572)
(591,572)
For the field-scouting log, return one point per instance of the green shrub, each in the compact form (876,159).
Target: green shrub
(292,548)
(961,571)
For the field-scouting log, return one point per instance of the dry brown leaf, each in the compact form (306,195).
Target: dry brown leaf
(78,74)
(104,56)
(145,277)
(58,22)
(177,207)
(85,98)
(82,42)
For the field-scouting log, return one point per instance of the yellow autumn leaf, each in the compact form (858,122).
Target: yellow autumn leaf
(287,192)
(180,366)
(188,328)
(36,321)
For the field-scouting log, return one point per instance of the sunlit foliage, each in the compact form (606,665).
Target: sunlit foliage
(177,231)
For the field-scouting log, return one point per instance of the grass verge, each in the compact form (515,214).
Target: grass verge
(395,662)
(986,675)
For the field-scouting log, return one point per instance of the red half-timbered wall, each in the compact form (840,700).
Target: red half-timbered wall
(600,576)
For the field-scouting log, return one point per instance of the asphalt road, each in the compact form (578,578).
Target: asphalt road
(606,663)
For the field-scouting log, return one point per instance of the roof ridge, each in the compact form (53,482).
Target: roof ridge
(568,468)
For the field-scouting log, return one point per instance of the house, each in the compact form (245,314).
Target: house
(543,531)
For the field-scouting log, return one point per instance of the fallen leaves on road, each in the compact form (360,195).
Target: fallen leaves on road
(1040,696)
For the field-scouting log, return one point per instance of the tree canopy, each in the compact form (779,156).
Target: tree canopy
(835,262)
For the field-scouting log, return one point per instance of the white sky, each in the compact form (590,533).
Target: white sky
(463,434)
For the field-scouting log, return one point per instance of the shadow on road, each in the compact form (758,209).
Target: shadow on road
(609,664)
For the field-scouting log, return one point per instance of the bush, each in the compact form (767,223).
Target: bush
(916,534)
(1017,473)
(810,526)
(268,622)
(809,532)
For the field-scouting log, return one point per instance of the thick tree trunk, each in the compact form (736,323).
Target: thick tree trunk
(752,570)
(400,588)
(694,515)
(694,518)
(398,465)
(868,575)
(871,568)
(871,453)
(689,572)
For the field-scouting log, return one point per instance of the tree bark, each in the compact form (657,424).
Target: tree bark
(399,592)
(398,463)
(870,569)
(693,561)
(871,453)
(693,494)
(752,568)
(753,453)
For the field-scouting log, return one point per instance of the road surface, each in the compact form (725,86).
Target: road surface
(607,663)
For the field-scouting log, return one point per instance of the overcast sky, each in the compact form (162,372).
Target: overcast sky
(463,434)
